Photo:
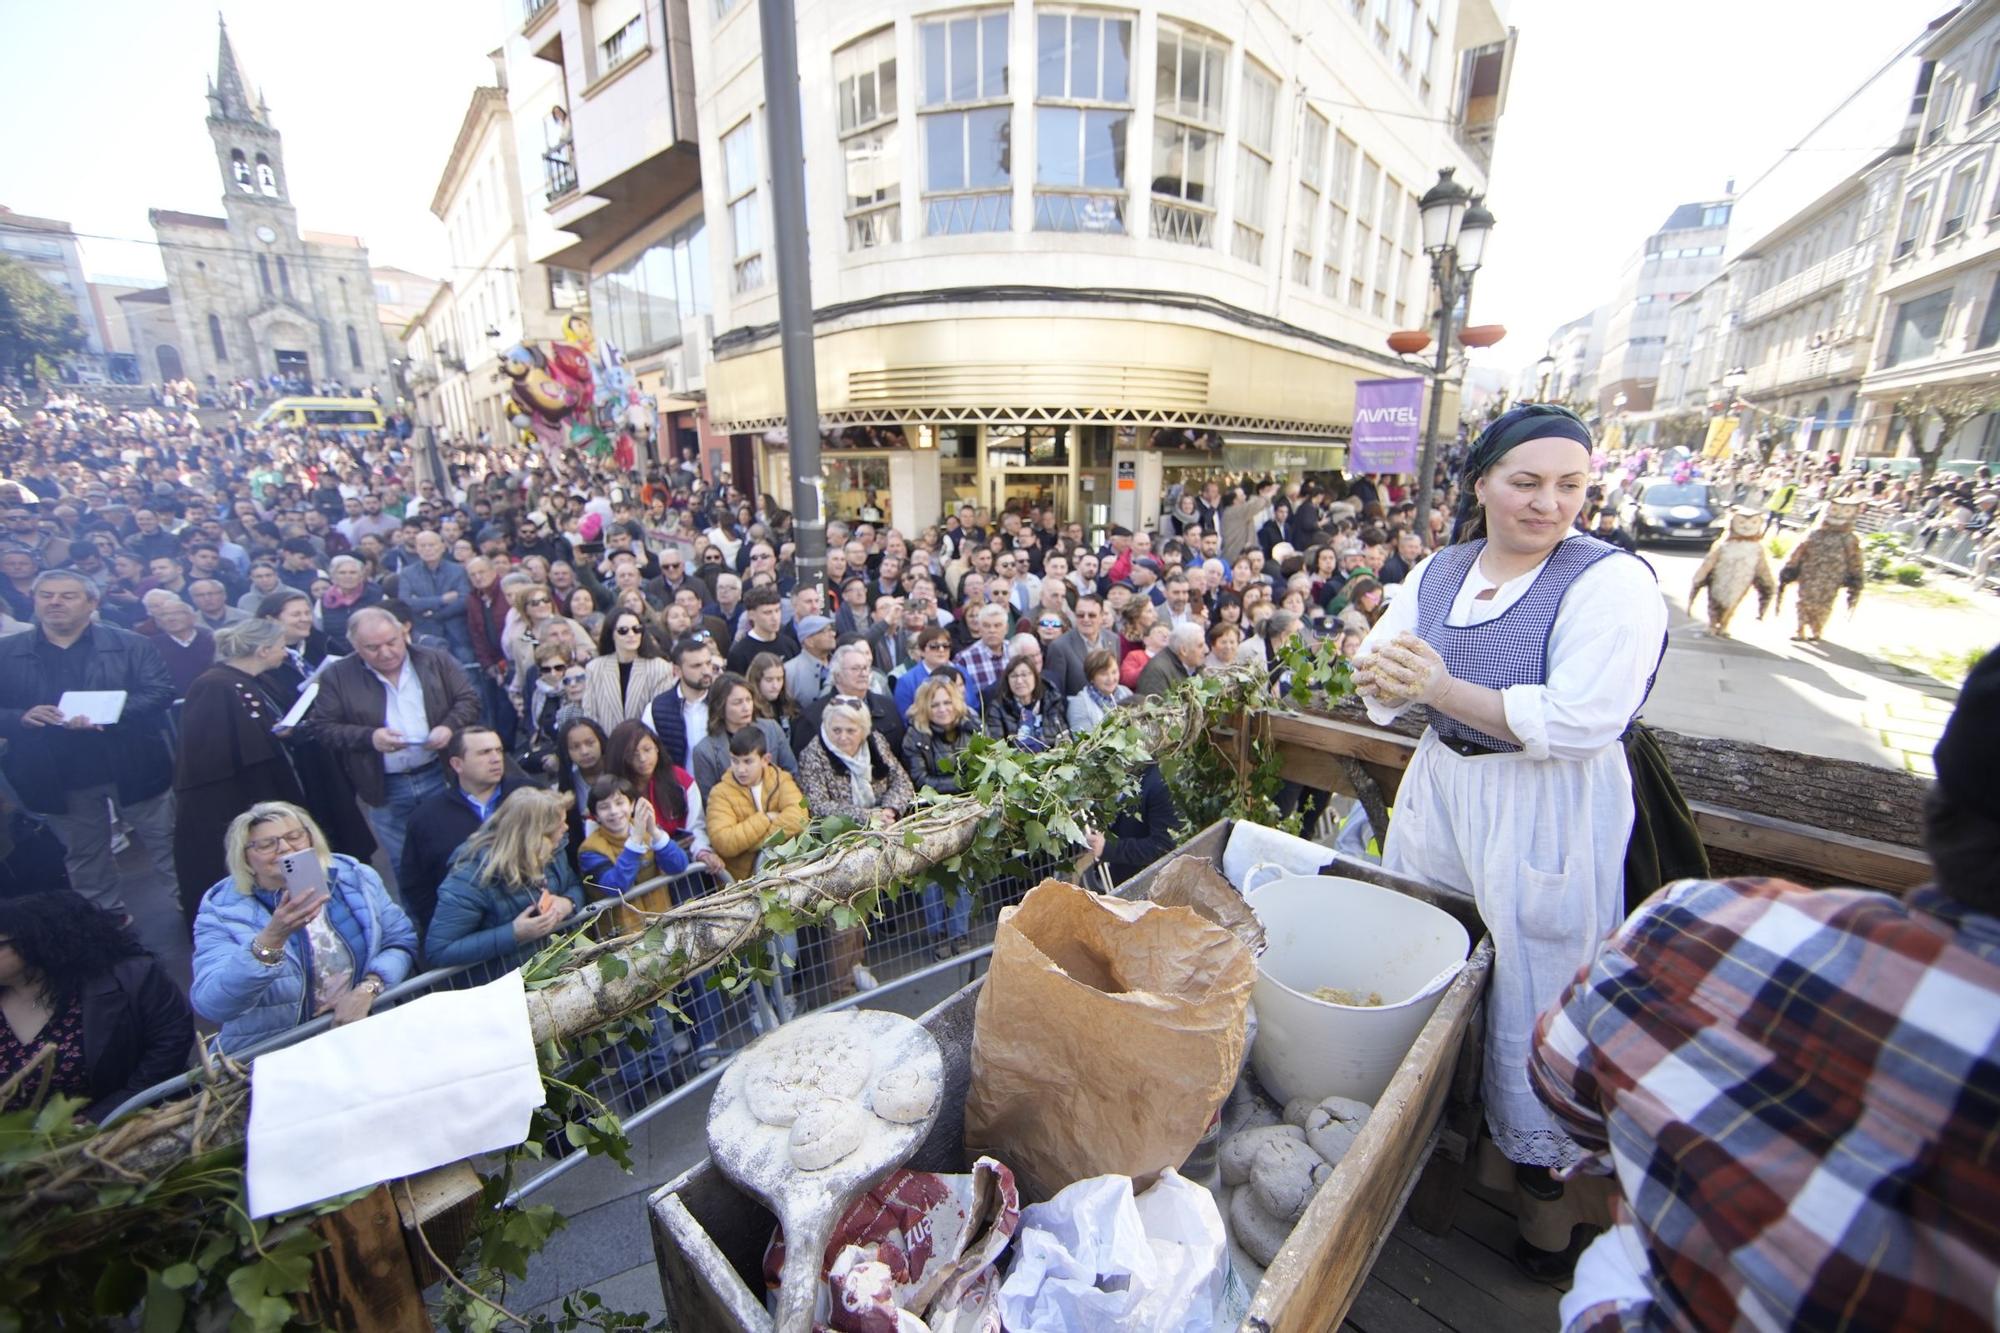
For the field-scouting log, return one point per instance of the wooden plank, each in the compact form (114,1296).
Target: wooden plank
(1379,1308)
(1436,1285)
(1463,1253)
(1843,857)
(1320,1272)
(364,1282)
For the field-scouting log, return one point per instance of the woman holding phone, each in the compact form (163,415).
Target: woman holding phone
(509,888)
(294,930)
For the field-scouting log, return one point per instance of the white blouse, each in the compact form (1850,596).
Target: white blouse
(1602,651)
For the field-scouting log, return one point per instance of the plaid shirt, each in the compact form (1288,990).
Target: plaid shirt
(981,665)
(1800,1094)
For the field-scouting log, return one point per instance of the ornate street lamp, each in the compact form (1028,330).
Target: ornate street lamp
(1455,225)
(1547,365)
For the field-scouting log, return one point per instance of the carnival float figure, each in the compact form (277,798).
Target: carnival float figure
(1735,565)
(1828,560)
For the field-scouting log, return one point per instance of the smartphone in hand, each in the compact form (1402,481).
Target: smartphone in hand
(547,903)
(303,873)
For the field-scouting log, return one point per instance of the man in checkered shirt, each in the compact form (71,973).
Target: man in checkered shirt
(1799,1090)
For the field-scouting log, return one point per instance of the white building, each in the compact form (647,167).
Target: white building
(1054,243)
(498,295)
(1684,253)
(1577,347)
(1941,291)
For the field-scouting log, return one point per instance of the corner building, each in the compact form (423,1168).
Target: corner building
(1065,253)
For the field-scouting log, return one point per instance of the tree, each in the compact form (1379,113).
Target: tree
(1950,406)
(37,324)
(1686,428)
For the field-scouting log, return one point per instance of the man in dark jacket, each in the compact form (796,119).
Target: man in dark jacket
(1140,834)
(481,779)
(387,712)
(1181,658)
(1066,655)
(853,664)
(75,773)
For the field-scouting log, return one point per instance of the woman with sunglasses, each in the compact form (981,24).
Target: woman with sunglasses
(535,620)
(629,670)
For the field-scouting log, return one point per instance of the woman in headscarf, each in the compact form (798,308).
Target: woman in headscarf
(1532,648)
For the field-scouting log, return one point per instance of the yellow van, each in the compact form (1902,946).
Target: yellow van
(322,414)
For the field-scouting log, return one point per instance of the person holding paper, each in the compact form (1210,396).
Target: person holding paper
(388,712)
(66,767)
(271,952)
(229,758)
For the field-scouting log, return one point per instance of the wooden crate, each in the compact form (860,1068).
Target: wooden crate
(709,1238)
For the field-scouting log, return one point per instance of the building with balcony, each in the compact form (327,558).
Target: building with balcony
(1940,324)
(1576,347)
(1673,262)
(602,94)
(498,294)
(1061,252)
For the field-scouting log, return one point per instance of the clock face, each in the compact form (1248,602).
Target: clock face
(266,235)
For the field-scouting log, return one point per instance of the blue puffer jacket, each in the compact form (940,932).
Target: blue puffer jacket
(252,1000)
(474,921)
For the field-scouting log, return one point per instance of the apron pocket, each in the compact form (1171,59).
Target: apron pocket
(1550,911)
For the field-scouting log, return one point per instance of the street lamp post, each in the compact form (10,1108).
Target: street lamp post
(1455,228)
(1547,365)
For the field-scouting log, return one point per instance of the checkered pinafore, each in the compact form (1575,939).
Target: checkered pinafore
(1513,647)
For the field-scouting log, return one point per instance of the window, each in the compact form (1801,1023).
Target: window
(1312,173)
(1715,215)
(568,289)
(1915,209)
(1958,200)
(284,278)
(215,338)
(1083,108)
(354,347)
(1427,37)
(1919,325)
(721,8)
(1990,88)
(264,273)
(1340,199)
(618,27)
(1256,121)
(640,305)
(1943,102)
(746,226)
(864,76)
(967,124)
(1371,185)
(267,179)
(239,171)
(1187,131)
(1385,258)
(1411,275)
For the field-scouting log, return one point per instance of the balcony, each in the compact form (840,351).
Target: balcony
(559,173)
(1809,282)
(1834,360)
(533,12)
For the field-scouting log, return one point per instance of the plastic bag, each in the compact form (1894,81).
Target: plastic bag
(1096,1260)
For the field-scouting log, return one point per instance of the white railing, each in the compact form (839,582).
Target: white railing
(1809,281)
(1833,360)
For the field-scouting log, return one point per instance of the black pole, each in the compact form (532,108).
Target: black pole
(1441,271)
(795,314)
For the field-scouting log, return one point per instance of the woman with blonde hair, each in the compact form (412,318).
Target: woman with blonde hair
(942,726)
(509,887)
(267,957)
(535,621)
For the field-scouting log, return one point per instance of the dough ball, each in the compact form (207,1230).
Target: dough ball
(1332,1141)
(1331,1111)
(791,1075)
(1238,1150)
(1259,1234)
(825,1132)
(1298,1109)
(1284,1175)
(905,1095)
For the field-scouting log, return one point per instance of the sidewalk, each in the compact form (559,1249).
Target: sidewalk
(1842,698)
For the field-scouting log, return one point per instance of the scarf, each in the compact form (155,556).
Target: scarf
(1516,426)
(860,769)
(333,599)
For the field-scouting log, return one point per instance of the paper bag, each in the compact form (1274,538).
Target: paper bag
(1106,1035)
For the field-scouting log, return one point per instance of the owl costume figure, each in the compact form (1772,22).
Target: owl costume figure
(1828,560)
(1735,565)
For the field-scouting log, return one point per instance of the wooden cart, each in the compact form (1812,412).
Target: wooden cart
(709,1237)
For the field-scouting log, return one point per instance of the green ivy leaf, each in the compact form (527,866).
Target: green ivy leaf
(611,967)
(166,1307)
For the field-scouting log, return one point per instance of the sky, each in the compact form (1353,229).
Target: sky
(1618,110)
(109,114)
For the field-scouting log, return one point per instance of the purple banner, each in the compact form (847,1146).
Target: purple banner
(1388,425)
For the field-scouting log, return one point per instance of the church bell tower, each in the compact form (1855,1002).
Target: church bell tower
(249,151)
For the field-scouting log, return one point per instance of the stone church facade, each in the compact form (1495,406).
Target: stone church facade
(250,294)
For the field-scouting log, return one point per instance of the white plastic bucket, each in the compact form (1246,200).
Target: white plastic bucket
(1322,930)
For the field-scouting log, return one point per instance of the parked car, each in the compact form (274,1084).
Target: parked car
(1670,511)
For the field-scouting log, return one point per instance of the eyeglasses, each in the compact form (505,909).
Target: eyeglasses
(295,839)
(1051,624)
(573,677)
(540,601)
(628,629)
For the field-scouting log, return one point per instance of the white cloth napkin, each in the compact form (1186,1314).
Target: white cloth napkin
(441,1078)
